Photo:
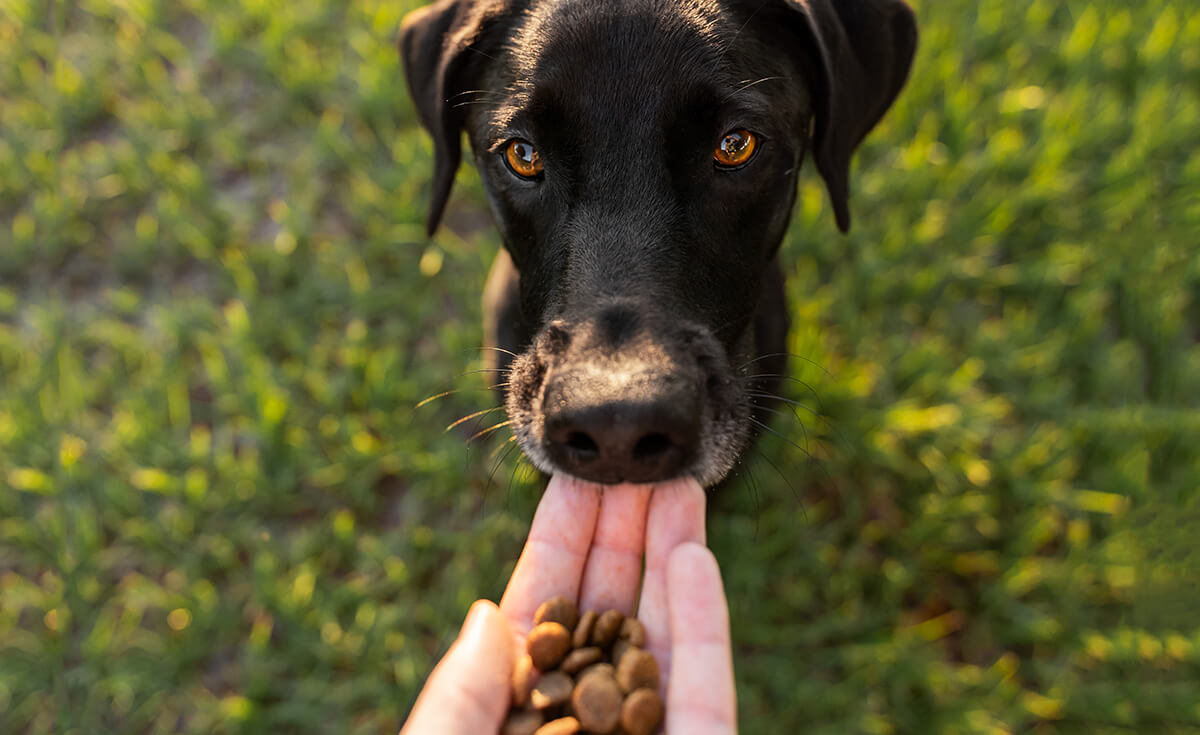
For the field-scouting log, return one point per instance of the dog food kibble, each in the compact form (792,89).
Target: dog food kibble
(547,644)
(583,631)
(553,689)
(584,673)
(597,703)
(641,712)
(604,666)
(561,726)
(522,722)
(581,658)
(620,646)
(633,631)
(637,669)
(557,610)
(607,627)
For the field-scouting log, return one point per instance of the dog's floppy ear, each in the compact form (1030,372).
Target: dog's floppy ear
(439,45)
(863,52)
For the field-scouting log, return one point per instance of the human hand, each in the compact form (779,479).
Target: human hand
(588,543)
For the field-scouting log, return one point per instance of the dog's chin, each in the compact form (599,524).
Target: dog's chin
(724,429)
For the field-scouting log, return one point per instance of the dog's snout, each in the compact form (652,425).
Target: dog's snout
(621,428)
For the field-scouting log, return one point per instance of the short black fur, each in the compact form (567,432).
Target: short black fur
(639,285)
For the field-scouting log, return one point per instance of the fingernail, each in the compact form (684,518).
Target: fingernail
(475,617)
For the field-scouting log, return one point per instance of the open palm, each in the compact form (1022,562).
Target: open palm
(589,544)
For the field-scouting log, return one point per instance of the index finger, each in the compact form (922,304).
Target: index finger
(552,561)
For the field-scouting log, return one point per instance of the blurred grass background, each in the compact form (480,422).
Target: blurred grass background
(220,511)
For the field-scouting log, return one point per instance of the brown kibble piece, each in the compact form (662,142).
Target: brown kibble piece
(547,644)
(607,627)
(637,669)
(557,610)
(522,681)
(642,712)
(580,659)
(619,648)
(633,631)
(561,726)
(551,690)
(601,668)
(522,722)
(583,631)
(597,703)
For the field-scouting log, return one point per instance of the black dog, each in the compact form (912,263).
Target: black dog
(640,157)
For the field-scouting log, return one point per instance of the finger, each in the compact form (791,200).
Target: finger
(614,563)
(700,694)
(552,561)
(468,692)
(676,516)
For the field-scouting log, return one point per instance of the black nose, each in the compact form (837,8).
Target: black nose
(621,428)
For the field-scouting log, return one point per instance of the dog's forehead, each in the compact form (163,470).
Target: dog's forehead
(571,31)
(631,56)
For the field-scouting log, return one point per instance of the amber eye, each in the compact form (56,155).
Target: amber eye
(735,148)
(523,158)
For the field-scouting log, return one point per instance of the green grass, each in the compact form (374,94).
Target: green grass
(220,511)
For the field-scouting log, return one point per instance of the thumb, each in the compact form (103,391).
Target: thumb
(700,688)
(468,692)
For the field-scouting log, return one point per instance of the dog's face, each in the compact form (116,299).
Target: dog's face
(640,157)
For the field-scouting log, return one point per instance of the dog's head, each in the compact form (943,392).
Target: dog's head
(640,157)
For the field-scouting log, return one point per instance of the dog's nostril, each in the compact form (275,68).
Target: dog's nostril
(582,444)
(640,428)
(651,446)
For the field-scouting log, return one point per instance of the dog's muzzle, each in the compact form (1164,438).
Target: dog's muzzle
(611,400)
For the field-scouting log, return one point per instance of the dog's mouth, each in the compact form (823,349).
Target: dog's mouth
(644,407)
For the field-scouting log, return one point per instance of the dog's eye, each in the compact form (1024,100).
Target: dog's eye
(735,148)
(523,158)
